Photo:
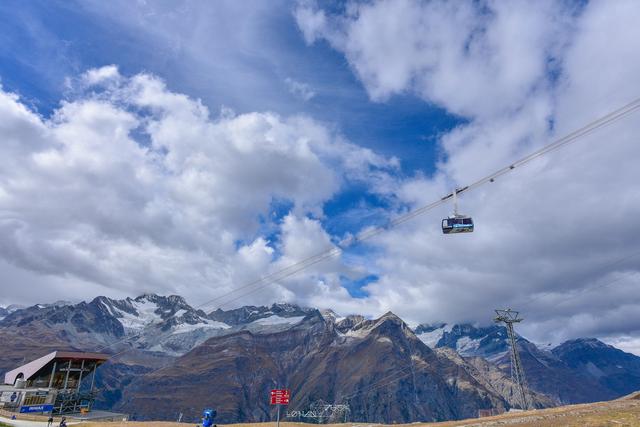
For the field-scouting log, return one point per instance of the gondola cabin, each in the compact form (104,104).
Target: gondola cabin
(457,224)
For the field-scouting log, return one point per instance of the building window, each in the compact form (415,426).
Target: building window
(34,400)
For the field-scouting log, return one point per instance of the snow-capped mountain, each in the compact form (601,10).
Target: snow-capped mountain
(321,348)
(576,371)
(153,323)
(490,342)
(164,324)
(344,325)
(5,311)
(75,322)
(320,362)
(259,315)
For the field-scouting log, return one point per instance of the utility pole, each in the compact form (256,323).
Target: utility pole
(509,317)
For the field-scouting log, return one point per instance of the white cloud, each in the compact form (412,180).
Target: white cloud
(100,75)
(226,52)
(130,186)
(626,343)
(472,58)
(521,74)
(312,22)
(134,187)
(299,89)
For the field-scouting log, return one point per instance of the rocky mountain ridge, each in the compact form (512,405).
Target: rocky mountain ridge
(5,311)
(368,365)
(321,355)
(163,324)
(576,371)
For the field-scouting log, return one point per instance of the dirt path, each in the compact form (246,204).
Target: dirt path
(617,413)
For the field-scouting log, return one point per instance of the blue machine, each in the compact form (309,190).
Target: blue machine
(207,417)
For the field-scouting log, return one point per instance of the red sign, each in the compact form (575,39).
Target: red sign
(280,397)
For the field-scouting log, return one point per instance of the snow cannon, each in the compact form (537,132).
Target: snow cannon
(207,417)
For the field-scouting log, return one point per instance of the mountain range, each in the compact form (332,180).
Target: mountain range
(565,376)
(383,369)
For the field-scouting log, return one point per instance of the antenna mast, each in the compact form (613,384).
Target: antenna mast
(509,317)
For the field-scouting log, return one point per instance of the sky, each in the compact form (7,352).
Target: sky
(192,147)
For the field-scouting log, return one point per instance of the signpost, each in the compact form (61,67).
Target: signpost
(280,397)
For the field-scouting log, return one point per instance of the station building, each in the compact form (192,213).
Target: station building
(62,382)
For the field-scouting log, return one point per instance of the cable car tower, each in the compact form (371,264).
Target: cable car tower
(509,317)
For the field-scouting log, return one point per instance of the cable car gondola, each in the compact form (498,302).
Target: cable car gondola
(457,223)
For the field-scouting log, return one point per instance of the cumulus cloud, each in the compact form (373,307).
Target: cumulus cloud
(130,186)
(552,239)
(134,187)
(460,55)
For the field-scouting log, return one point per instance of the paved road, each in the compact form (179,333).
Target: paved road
(24,423)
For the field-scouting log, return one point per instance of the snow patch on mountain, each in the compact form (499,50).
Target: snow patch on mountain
(467,340)
(180,312)
(331,316)
(248,314)
(209,324)
(277,320)
(467,346)
(146,314)
(433,334)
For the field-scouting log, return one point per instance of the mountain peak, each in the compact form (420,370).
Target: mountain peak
(387,324)
(424,328)
(164,302)
(580,345)
(147,296)
(591,342)
(349,322)
(489,342)
(166,327)
(390,315)
(286,307)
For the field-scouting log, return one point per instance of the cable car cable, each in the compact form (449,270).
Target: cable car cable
(390,378)
(554,305)
(369,233)
(395,376)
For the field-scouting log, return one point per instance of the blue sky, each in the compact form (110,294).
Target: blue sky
(322,118)
(63,39)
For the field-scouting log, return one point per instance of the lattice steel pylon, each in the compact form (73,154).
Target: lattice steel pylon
(509,317)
